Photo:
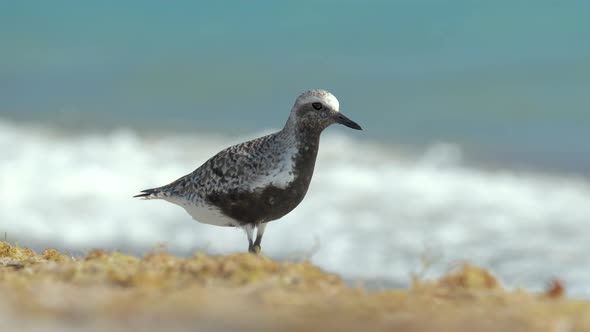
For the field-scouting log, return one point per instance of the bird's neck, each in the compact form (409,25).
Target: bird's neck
(300,136)
(301,132)
(306,141)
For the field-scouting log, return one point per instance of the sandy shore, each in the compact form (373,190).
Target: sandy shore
(52,292)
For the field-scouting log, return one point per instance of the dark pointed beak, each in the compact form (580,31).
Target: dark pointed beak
(341,119)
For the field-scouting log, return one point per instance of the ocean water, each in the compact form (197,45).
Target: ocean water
(475,114)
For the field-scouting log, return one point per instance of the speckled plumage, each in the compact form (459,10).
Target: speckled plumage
(252,183)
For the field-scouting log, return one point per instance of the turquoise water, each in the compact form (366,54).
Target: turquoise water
(507,79)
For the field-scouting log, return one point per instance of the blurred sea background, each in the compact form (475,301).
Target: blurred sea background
(476,118)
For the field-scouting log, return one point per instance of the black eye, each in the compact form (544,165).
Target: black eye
(317,106)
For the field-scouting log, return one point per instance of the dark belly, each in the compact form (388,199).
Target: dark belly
(271,203)
(262,205)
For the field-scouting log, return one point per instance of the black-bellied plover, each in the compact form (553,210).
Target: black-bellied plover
(251,183)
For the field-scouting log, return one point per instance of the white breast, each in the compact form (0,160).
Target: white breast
(281,175)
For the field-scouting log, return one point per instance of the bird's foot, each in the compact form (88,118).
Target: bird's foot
(255,249)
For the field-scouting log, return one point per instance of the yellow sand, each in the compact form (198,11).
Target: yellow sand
(253,293)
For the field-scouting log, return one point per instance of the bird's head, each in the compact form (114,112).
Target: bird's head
(318,109)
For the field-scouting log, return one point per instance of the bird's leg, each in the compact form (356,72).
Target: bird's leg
(249,228)
(257,247)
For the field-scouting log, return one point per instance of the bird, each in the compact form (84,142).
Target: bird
(252,183)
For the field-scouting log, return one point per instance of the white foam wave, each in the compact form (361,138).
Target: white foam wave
(373,213)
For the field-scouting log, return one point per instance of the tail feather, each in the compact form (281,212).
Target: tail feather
(163,191)
(149,193)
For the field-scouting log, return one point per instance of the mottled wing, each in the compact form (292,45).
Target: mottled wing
(232,169)
(239,168)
